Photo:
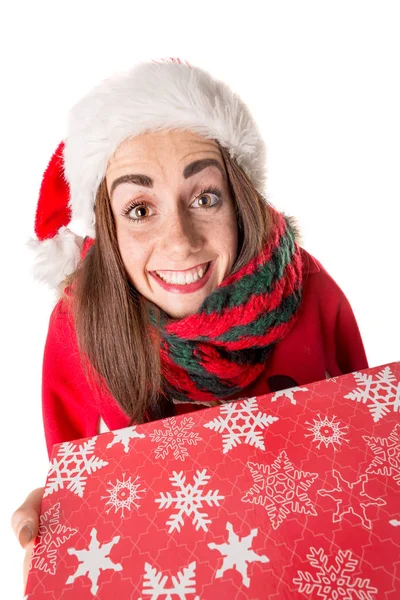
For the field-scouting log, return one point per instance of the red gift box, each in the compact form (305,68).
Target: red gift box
(294,494)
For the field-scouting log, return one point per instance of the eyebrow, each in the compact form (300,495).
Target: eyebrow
(191,169)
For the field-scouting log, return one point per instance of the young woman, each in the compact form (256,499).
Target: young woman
(188,288)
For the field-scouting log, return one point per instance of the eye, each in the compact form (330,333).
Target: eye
(137,211)
(208,198)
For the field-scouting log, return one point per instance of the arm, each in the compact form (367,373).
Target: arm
(350,352)
(68,405)
(343,345)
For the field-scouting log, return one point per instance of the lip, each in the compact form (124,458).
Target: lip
(185,289)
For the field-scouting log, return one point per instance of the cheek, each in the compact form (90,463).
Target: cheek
(232,250)
(134,254)
(227,236)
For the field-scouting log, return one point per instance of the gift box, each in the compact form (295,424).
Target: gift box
(294,494)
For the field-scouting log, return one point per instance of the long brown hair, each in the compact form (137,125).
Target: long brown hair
(112,318)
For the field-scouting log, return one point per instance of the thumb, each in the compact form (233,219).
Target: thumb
(25,520)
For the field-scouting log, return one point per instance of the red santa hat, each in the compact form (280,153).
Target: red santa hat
(155,95)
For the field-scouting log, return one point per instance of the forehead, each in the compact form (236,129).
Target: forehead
(152,156)
(165,146)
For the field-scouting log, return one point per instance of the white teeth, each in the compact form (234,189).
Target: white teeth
(181,278)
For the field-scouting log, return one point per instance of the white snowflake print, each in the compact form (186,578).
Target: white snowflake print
(183,585)
(327,431)
(51,536)
(123,494)
(387,454)
(329,377)
(351,498)
(288,393)
(176,436)
(124,436)
(381,391)
(188,500)
(93,560)
(237,554)
(71,466)
(281,489)
(333,582)
(241,423)
(395,522)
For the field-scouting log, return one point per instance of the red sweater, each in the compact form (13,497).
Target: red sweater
(324,342)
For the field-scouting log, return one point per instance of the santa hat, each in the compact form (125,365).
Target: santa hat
(155,95)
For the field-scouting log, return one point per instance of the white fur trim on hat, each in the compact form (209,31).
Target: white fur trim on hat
(154,96)
(57,257)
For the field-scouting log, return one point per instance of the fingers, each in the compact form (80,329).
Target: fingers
(27,562)
(25,520)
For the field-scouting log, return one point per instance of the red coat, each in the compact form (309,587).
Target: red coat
(324,342)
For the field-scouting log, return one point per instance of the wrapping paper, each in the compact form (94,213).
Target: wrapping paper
(294,494)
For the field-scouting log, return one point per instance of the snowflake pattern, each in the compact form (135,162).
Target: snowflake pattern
(175,437)
(71,465)
(124,436)
(93,560)
(395,522)
(327,431)
(333,582)
(51,536)
(351,498)
(281,489)
(241,422)
(382,392)
(387,454)
(288,393)
(237,554)
(123,494)
(188,500)
(183,584)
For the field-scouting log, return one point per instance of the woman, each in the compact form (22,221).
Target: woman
(189,288)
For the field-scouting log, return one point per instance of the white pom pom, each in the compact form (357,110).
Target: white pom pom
(57,257)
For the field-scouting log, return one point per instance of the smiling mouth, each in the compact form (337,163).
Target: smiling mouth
(183,277)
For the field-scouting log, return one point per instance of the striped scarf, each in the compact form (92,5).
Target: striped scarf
(222,348)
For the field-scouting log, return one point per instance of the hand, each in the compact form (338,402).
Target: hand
(25,523)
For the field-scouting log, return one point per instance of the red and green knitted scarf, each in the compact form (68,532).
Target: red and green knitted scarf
(219,350)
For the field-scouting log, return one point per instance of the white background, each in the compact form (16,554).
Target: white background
(322,80)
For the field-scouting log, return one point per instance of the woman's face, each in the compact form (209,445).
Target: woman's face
(175,217)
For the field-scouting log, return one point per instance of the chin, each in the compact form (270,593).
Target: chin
(180,312)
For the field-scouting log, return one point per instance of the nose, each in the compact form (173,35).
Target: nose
(180,236)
